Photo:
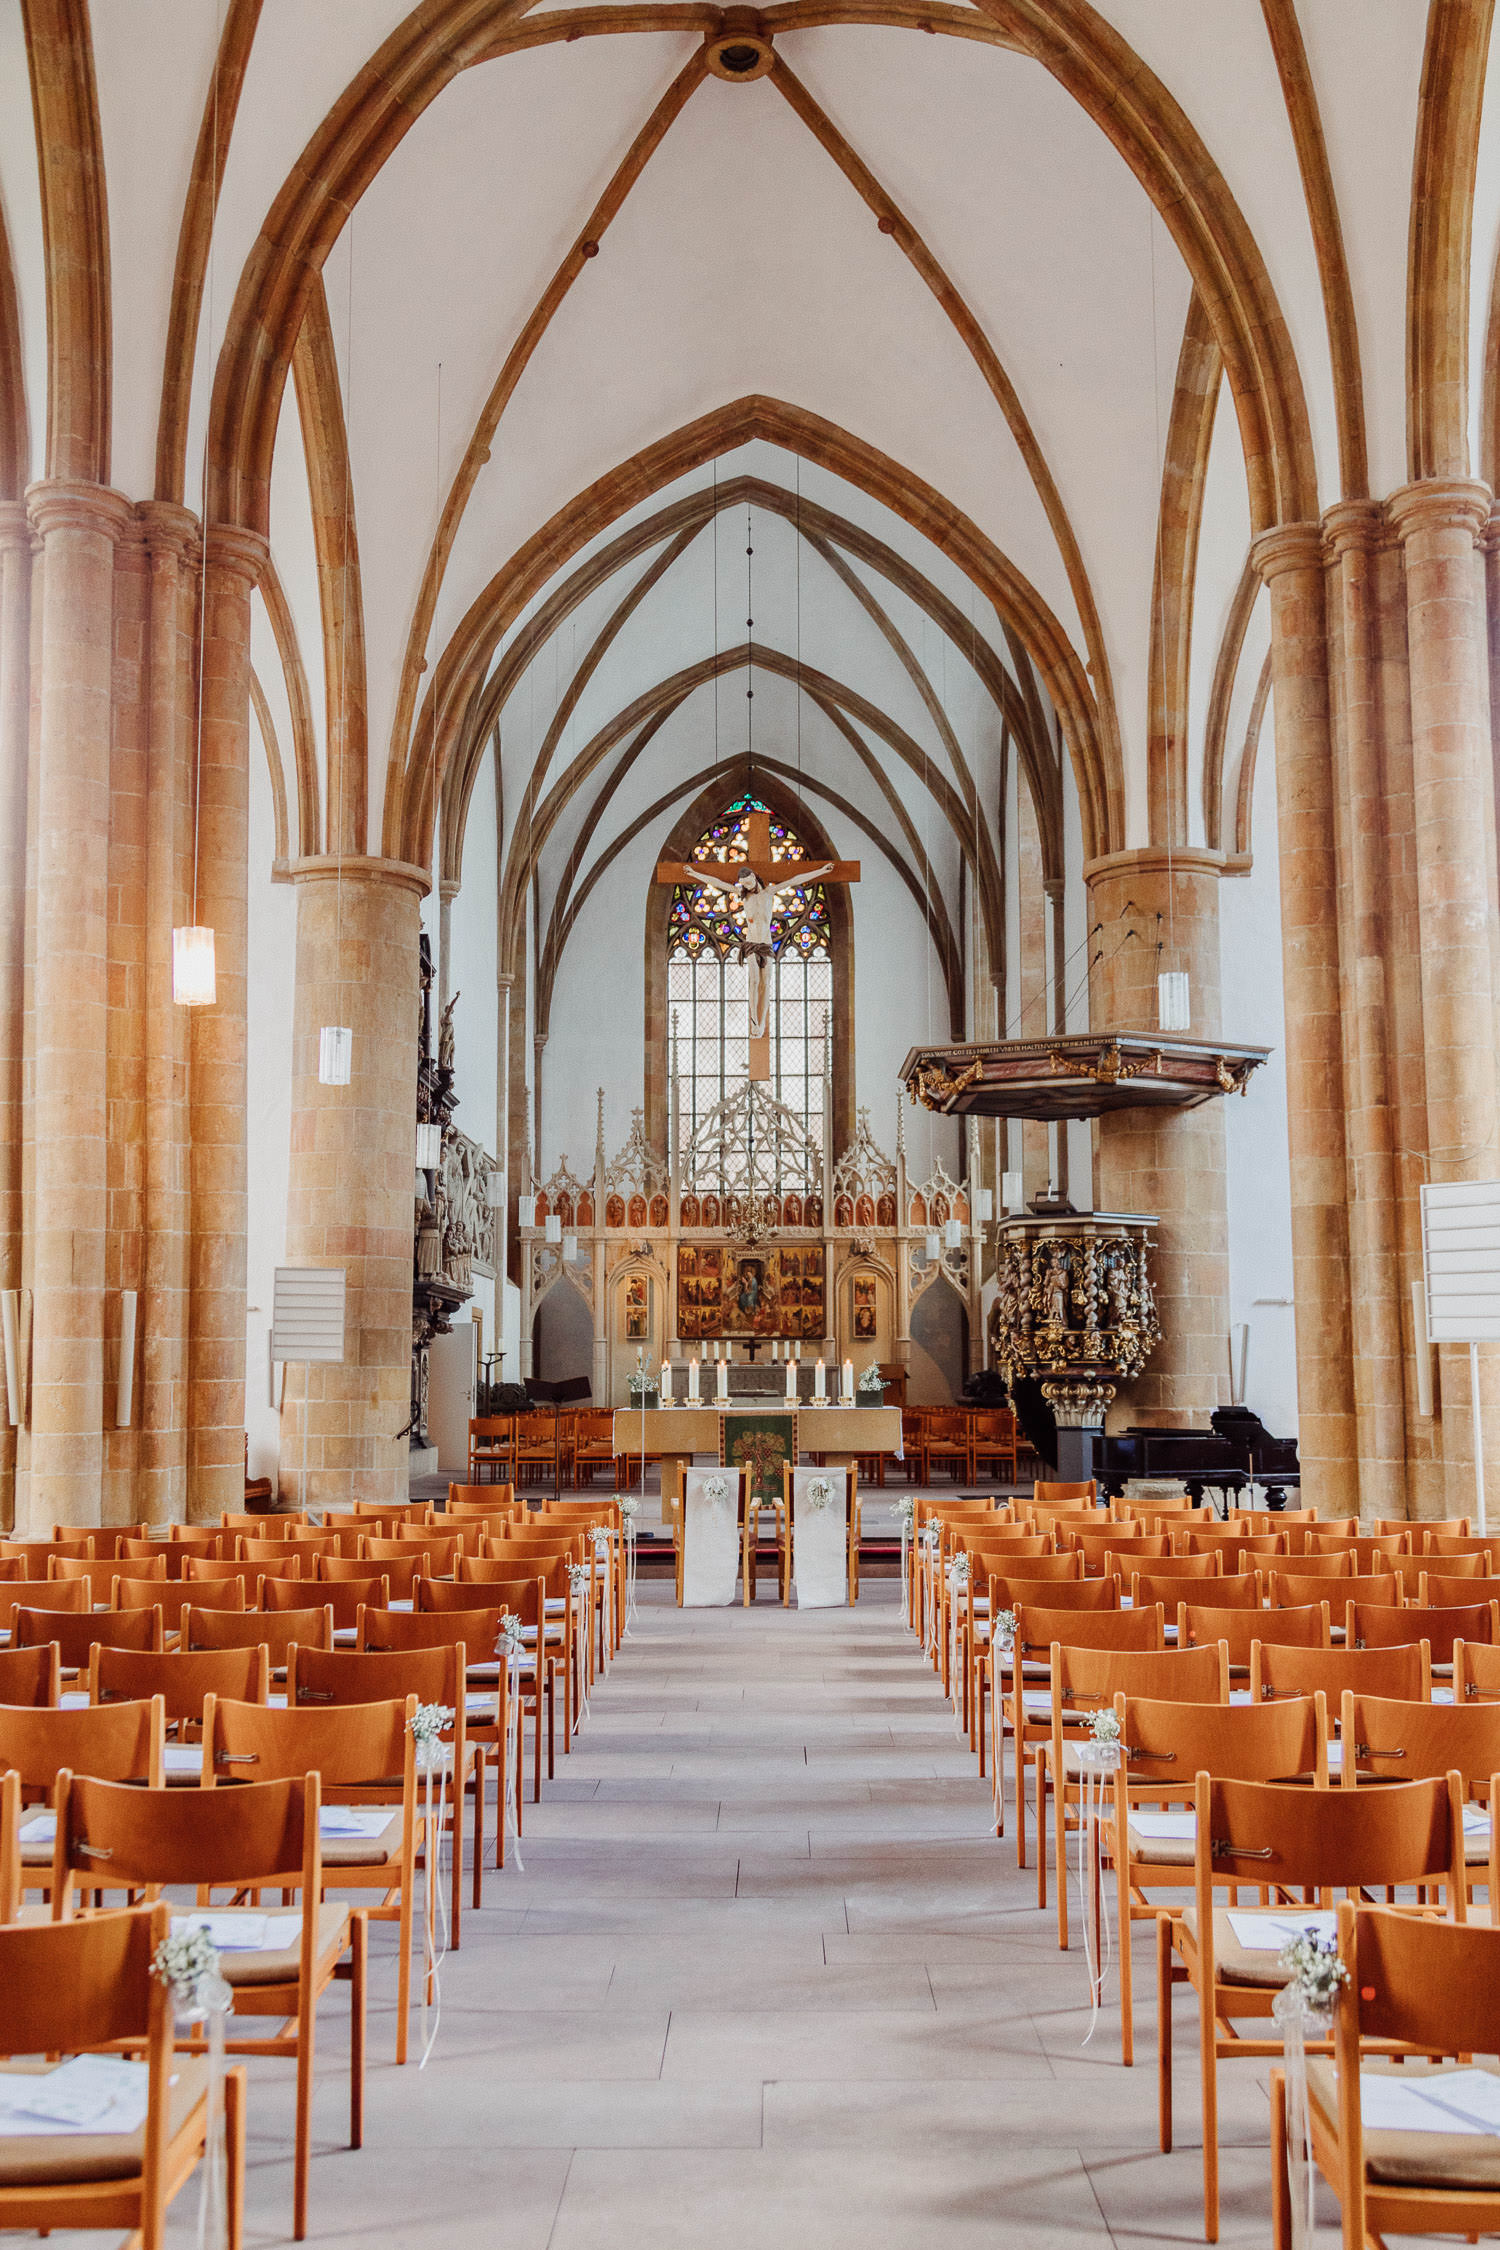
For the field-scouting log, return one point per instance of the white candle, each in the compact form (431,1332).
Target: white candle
(791,1380)
(666,1382)
(723,1378)
(819,1380)
(692,1382)
(847,1387)
(799,1347)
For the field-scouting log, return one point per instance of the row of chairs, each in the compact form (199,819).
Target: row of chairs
(1261,1760)
(543,1448)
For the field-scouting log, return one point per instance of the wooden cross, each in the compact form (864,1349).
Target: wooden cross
(773,873)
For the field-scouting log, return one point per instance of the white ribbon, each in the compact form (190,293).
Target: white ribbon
(1297,2022)
(1096,1760)
(212,2001)
(431,1759)
(508,1784)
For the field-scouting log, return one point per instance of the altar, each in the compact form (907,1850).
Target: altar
(683,1434)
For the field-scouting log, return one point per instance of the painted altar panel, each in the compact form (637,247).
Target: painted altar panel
(723,1291)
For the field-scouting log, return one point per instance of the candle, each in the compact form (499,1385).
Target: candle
(846,1389)
(799,1347)
(723,1378)
(791,1380)
(666,1382)
(692,1382)
(819,1381)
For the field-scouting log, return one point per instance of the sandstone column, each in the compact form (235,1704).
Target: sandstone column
(77,525)
(1439,523)
(1372,826)
(172,546)
(15,611)
(1289,560)
(1171,1163)
(350,1199)
(216,1388)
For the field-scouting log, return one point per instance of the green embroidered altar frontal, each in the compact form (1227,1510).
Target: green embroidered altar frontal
(762,1443)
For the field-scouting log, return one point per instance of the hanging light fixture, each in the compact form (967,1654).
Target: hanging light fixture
(429,1147)
(335,1054)
(984,1205)
(1012,1190)
(953,1234)
(553,1228)
(1174,1010)
(932,1244)
(572,1250)
(526,1210)
(194,984)
(494,1189)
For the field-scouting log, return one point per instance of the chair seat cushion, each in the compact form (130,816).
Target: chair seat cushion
(63,2159)
(1235,1963)
(365,1851)
(281,1965)
(1449,2160)
(1162,1851)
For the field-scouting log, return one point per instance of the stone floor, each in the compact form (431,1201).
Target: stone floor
(767,1977)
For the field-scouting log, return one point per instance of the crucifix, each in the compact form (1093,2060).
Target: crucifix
(757,888)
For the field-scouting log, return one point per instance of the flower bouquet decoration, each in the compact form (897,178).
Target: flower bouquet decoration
(187,1963)
(1303,2010)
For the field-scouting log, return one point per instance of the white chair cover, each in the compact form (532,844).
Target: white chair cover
(710,1540)
(820,1540)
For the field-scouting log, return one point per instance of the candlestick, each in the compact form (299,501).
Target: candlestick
(819,1382)
(692,1382)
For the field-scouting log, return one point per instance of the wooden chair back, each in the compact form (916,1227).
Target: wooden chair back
(1186,1566)
(1243,1630)
(262,1527)
(1039,1570)
(977,1539)
(344,1675)
(360,1747)
(67,1594)
(1476,1672)
(524,1538)
(1039,1629)
(400,1630)
(1442,1545)
(1446,1589)
(217,1570)
(1096,1547)
(182,1679)
(1295,1589)
(172,1600)
(339,1570)
(442,1594)
(73,1637)
(500,1569)
(121,1743)
(1243,1591)
(1235,1550)
(1416,1983)
(1446,1526)
(344,1597)
(259,1832)
(149,1558)
(1368,1551)
(1053,1493)
(1089,1679)
(1403,1741)
(272,1630)
(402,1546)
(481,1499)
(99,1577)
(38,1554)
(31,1675)
(1330,1839)
(1378,1627)
(200,1538)
(1169,1742)
(409,1512)
(1403,1673)
(1075,1594)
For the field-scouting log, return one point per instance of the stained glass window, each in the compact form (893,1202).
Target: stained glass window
(707,988)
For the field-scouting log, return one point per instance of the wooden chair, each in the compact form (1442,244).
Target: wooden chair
(398,1512)
(1476,1673)
(31,1675)
(1446,1589)
(1388,1741)
(1289,1838)
(1241,1592)
(1404,1672)
(438,1547)
(526,1599)
(75,1987)
(272,1630)
(125,1743)
(1443,1545)
(1038,1631)
(183,1679)
(100,1577)
(945,1443)
(148,1558)
(476,1631)
(1243,1630)
(200,1538)
(74,1637)
(530,1588)
(1236,1552)
(1168,1744)
(1323,1566)
(1379,1627)
(253,1526)
(481,1499)
(320,1677)
(67,1594)
(593,1446)
(39,1554)
(172,1599)
(536,1443)
(992,1445)
(1045,1493)
(344,1597)
(338,1570)
(212,1570)
(1368,1551)
(492,1445)
(1295,1589)
(1134,1547)
(256,1834)
(1186,1566)
(1452,1525)
(1414,1988)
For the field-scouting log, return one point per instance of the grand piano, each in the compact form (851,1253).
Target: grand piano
(1235,1451)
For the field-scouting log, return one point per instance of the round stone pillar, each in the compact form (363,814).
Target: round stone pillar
(351,1200)
(216,1386)
(77,527)
(1290,561)
(15,627)
(1168,1162)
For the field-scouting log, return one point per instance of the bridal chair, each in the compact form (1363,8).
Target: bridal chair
(72,1988)
(257,1835)
(819,1546)
(1150,1838)
(1290,1839)
(1415,1989)
(711,1537)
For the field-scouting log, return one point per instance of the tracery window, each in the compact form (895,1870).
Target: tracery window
(707,988)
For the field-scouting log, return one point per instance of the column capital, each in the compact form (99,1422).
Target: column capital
(1156,859)
(59,504)
(1440,504)
(354,867)
(171,533)
(1286,547)
(1359,527)
(505,978)
(448,889)
(237,552)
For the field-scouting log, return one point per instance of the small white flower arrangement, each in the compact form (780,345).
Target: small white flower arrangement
(187,1963)
(929,1535)
(1005,1629)
(908,1516)
(601,1541)
(1315,1971)
(715,1490)
(511,1643)
(427,1726)
(630,1508)
(871,1379)
(579,1576)
(818,1493)
(958,1574)
(1104,1725)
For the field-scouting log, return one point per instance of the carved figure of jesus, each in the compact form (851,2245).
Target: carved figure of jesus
(758,903)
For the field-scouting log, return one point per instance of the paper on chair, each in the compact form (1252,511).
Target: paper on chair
(354,1820)
(1166,1827)
(182,1757)
(40,1829)
(235,1932)
(1476,1820)
(73,1699)
(1268,1933)
(1453,2101)
(86,2094)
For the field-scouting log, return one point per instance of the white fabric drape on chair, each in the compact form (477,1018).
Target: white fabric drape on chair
(711,1540)
(820,1540)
